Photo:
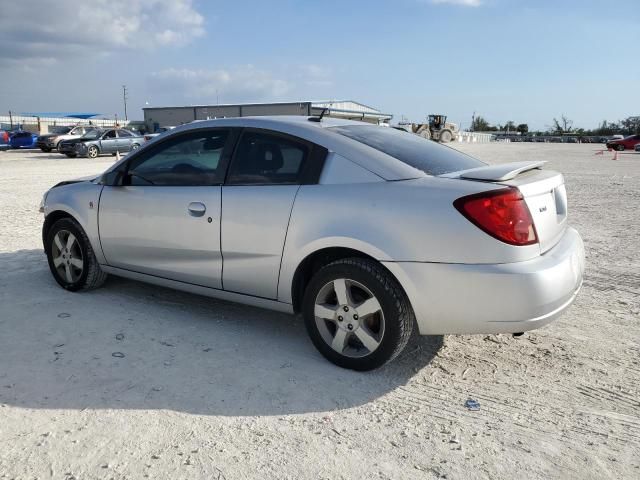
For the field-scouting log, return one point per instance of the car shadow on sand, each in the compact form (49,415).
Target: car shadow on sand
(130,345)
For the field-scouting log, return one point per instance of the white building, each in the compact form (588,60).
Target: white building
(156,117)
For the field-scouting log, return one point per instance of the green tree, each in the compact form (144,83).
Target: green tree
(631,125)
(510,126)
(479,124)
(564,125)
(523,128)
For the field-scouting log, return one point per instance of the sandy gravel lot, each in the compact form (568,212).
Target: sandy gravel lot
(206,389)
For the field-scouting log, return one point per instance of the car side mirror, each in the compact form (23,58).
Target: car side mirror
(115,178)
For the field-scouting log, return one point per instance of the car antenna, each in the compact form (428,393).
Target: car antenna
(319,118)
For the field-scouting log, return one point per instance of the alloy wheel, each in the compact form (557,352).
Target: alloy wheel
(349,318)
(67,257)
(93,151)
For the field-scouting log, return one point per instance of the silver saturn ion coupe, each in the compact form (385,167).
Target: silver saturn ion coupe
(367,231)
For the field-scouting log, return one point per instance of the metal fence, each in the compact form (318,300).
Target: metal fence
(42,124)
(474,137)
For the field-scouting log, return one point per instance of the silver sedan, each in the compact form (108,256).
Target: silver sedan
(370,233)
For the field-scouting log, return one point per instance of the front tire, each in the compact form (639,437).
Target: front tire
(71,155)
(620,148)
(70,256)
(93,152)
(356,314)
(45,149)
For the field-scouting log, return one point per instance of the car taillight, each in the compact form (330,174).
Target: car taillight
(503,214)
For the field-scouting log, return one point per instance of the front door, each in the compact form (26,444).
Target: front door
(165,218)
(108,142)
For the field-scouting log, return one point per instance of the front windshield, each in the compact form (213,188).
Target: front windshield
(93,134)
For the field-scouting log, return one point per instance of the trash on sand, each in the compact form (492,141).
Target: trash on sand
(120,336)
(64,315)
(472,404)
(117,354)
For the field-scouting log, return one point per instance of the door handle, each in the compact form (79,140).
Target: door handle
(197,209)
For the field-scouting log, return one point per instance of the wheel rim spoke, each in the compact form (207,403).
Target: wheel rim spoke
(58,261)
(368,307)
(58,242)
(76,262)
(367,339)
(324,311)
(342,291)
(67,273)
(70,241)
(339,341)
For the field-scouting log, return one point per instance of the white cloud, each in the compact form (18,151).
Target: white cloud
(244,83)
(32,31)
(316,75)
(466,3)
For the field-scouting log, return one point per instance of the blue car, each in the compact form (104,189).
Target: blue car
(23,139)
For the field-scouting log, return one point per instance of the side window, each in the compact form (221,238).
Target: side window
(267,159)
(110,134)
(123,134)
(188,160)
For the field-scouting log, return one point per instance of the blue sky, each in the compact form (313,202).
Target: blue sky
(504,59)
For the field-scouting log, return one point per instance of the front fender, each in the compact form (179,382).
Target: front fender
(80,201)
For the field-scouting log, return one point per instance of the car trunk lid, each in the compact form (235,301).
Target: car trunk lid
(543,191)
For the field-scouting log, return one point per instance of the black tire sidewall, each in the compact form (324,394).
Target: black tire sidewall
(73,227)
(392,333)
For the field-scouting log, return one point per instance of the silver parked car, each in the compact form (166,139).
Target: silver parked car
(367,231)
(51,141)
(104,141)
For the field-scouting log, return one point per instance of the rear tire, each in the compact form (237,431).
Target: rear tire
(71,155)
(356,314)
(445,136)
(71,258)
(45,149)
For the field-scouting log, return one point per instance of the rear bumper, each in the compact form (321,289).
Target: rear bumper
(46,143)
(500,298)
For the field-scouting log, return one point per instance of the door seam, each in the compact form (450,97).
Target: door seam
(284,244)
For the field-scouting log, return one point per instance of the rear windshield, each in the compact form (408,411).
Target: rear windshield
(426,155)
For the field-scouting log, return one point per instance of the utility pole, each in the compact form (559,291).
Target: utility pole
(124,99)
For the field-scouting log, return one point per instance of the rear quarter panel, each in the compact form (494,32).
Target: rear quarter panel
(400,221)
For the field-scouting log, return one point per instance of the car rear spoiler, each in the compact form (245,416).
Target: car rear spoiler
(497,173)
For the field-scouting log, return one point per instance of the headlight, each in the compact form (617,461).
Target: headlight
(42,202)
